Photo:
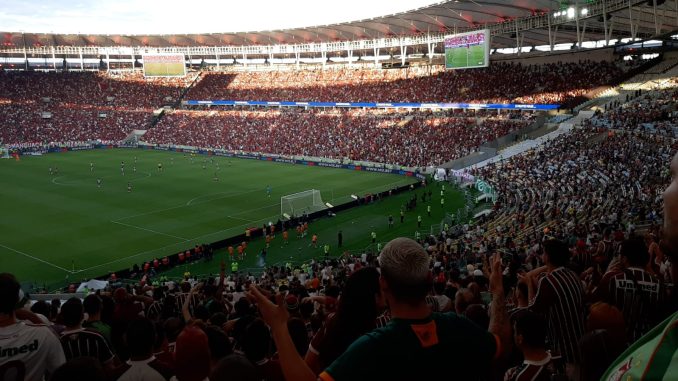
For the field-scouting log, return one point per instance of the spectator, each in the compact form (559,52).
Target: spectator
(529,335)
(28,350)
(636,292)
(360,304)
(142,365)
(648,344)
(560,297)
(93,306)
(670,197)
(235,368)
(219,344)
(81,342)
(415,335)
(192,359)
(80,369)
(300,335)
(257,347)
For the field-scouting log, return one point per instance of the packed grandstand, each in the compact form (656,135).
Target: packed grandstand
(567,273)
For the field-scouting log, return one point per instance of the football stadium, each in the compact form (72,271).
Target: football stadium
(275,191)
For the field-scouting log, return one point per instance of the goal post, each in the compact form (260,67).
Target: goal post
(4,152)
(296,204)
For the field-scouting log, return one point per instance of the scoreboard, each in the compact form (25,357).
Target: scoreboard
(467,50)
(164,65)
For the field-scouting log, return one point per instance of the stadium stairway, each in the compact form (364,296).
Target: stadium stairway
(133,137)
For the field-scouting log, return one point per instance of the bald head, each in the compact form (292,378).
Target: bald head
(671,207)
(405,268)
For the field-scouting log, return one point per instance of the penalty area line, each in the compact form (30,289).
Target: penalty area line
(150,230)
(37,259)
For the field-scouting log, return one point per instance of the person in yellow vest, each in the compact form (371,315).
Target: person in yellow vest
(428,210)
(326,249)
(419,221)
(234,267)
(442,202)
(374,236)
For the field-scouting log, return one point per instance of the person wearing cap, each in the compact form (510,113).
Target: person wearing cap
(25,348)
(414,336)
(292,303)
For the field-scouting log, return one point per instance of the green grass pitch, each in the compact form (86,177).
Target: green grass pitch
(465,57)
(356,225)
(62,228)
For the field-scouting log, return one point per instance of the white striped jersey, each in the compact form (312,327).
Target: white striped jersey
(83,342)
(639,295)
(560,297)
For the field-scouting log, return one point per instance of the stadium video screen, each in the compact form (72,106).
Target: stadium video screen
(164,65)
(467,50)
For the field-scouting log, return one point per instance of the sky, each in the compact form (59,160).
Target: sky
(181,16)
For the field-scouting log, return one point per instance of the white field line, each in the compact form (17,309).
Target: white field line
(54,181)
(252,210)
(81,182)
(150,230)
(226,194)
(170,245)
(189,203)
(248,224)
(37,259)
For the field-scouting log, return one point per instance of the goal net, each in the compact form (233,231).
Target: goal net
(4,152)
(296,204)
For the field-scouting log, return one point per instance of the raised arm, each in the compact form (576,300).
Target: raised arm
(499,319)
(293,366)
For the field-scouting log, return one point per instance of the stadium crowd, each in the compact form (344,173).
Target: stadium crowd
(402,138)
(498,83)
(555,285)
(42,108)
(653,112)
(508,312)
(57,108)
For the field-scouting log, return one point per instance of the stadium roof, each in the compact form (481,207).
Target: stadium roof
(443,17)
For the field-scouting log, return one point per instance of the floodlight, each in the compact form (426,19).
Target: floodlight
(570,13)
